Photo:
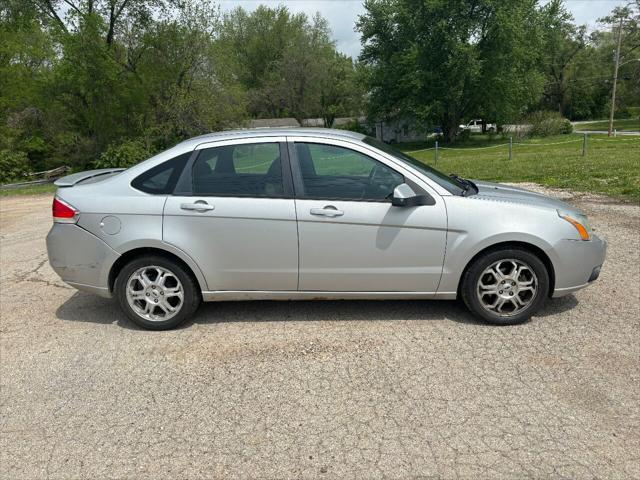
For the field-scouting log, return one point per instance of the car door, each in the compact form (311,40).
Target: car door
(233,212)
(350,236)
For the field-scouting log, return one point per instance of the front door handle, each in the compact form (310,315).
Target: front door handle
(198,206)
(327,211)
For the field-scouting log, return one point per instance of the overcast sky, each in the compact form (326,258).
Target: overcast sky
(342,14)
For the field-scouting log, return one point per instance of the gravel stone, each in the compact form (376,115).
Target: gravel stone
(351,389)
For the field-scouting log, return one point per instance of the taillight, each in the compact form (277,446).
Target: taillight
(63,212)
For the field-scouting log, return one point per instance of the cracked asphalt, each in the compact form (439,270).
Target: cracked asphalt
(406,389)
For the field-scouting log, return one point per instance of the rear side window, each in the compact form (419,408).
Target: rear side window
(162,178)
(244,170)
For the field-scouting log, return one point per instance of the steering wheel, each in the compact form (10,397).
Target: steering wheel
(374,173)
(380,180)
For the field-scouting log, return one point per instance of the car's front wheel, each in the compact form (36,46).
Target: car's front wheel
(156,293)
(505,286)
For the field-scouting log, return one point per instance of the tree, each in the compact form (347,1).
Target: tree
(287,63)
(442,61)
(25,53)
(626,21)
(186,78)
(114,13)
(340,92)
(563,42)
(70,89)
(587,82)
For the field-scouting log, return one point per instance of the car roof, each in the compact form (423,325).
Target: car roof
(274,132)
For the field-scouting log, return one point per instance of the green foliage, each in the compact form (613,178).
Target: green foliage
(289,66)
(358,127)
(567,127)
(444,61)
(124,154)
(579,67)
(109,79)
(465,134)
(544,123)
(13,166)
(90,86)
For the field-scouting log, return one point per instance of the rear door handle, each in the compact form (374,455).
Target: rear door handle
(327,211)
(198,206)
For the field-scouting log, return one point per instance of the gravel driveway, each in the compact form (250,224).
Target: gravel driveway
(407,389)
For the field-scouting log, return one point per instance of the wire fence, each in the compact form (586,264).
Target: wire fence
(509,145)
(46,176)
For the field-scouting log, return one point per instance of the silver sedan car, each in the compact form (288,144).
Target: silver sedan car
(301,214)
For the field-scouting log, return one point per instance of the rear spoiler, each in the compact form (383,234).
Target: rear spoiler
(75,178)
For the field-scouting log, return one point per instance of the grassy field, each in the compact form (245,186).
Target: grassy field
(47,188)
(624,125)
(611,166)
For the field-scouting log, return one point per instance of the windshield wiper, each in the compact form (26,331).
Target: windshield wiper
(462,182)
(465,184)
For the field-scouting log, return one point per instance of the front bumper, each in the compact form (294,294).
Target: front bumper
(80,258)
(578,264)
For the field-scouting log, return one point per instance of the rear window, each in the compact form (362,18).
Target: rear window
(162,178)
(245,170)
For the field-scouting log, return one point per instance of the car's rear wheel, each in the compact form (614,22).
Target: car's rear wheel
(505,286)
(156,293)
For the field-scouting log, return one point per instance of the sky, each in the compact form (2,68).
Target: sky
(342,14)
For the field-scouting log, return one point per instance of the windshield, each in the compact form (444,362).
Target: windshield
(440,178)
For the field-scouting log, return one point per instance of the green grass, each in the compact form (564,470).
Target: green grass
(623,125)
(611,166)
(34,190)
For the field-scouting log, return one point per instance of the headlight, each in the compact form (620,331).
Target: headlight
(579,222)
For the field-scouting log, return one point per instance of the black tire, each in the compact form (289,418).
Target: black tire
(191,293)
(472,275)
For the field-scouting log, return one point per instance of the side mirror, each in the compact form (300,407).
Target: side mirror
(404,196)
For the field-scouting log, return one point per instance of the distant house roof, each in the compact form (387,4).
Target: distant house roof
(273,122)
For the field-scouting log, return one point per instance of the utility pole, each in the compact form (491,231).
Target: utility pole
(615,78)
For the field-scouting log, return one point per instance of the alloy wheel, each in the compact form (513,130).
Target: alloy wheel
(155,293)
(507,287)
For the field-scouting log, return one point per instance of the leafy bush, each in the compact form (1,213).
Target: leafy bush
(123,154)
(464,134)
(634,112)
(544,123)
(356,126)
(13,165)
(567,127)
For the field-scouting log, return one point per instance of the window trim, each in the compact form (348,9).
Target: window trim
(134,183)
(299,183)
(184,186)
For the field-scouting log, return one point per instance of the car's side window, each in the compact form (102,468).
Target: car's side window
(162,178)
(333,172)
(243,170)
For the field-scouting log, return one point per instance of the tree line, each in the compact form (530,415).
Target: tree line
(445,61)
(102,82)
(96,82)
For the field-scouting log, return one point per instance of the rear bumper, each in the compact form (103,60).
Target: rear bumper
(80,258)
(578,264)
